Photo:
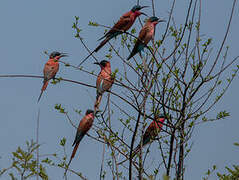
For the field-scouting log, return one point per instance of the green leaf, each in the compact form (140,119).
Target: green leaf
(93,24)
(63,141)
(222,115)
(236,144)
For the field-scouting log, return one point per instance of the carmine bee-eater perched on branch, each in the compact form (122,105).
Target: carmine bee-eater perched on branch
(145,35)
(84,126)
(104,81)
(50,69)
(125,22)
(150,134)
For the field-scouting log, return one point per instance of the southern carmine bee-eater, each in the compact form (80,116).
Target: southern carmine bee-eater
(50,69)
(84,126)
(145,35)
(104,81)
(124,23)
(150,134)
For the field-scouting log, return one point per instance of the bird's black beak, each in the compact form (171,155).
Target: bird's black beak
(96,63)
(143,7)
(161,20)
(63,55)
(144,14)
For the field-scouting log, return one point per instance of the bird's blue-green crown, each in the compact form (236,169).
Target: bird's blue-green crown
(54,54)
(153,18)
(136,8)
(103,63)
(89,111)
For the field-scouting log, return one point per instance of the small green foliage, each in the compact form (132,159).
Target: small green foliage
(103,174)
(113,74)
(204,119)
(218,97)
(233,174)
(109,56)
(156,171)
(60,108)
(56,80)
(191,124)
(165,177)
(139,66)
(219,82)
(48,161)
(133,31)
(12,176)
(236,144)
(61,165)
(189,25)
(124,37)
(78,111)
(24,161)
(197,26)
(150,177)
(173,31)
(209,172)
(208,42)
(222,115)
(75,27)
(229,80)
(93,24)
(158,43)
(63,141)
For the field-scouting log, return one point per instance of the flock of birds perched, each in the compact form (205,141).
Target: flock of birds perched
(105,79)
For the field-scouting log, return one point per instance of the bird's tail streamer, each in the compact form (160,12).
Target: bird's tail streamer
(45,83)
(97,102)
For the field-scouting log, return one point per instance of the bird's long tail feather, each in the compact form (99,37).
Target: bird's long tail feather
(45,83)
(67,167)
(136,49)
(107,38)
(102,37)
(97,102)
(74,150)
(102,43)
(72,156)
(86,58)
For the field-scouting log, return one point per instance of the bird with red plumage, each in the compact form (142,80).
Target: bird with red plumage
(84,126)
(123,24)
(145,35)
(50,69)
(149,135)
(104,81)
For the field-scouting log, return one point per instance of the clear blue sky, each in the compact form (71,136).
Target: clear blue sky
(30,27)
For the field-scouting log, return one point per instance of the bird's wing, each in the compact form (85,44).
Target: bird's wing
(150,133)
(107,84)
(139,45)
(50,70)
(142,34)
(140,40)
(78,137)
(119,26)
